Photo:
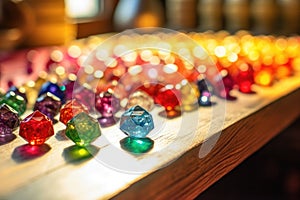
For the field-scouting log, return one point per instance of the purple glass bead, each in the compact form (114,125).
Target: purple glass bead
(9,117)
(5,130)
(18,92)
(69,85)
(107,104)
(48,104)
(55,89)
(85,95)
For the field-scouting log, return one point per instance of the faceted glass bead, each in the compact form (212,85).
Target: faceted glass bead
(85,95)
(168,98)
(142,99)
(9,117)
(205,90)
(107,104)
(15,101)
(137,145)
(48,104)
(36,128)
(225,85)
(151,89)
(71,109)
(189,96)
(54,89)
(245,80)
(83,129)
(18,92)
(136,122)
(69,85)
(4,130)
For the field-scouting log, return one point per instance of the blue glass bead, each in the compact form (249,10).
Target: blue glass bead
(54,89)
(136,122)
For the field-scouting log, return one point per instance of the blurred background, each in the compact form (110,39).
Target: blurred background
(54,22)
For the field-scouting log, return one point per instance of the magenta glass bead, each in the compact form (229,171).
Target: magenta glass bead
(228,83)
(48,104)
(107,104)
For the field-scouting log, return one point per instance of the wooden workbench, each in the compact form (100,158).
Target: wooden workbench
(179,166)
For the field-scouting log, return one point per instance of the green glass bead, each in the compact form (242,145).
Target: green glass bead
(137,145)
(15,101)
(83,129)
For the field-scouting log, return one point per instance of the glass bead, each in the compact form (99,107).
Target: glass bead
(55,89)
(36,128)
(169,99)
(245,80)
(71,109)
(225,85)
(85,95)
(189,96)
(83,129)
(69,86)
(140,98)
(205,90)
(107,104)
(48,104)
(151,89)
(15,101)
(136,122)
(9,117)
(19,92)
(137,145)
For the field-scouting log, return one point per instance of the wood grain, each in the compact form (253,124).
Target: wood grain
(173,171)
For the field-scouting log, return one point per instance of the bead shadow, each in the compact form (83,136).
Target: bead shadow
(29,152)
(61,135)
(75,154)
(7,139)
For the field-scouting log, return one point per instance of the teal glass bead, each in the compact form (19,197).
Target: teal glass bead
(83,129)
(136,122)
(137,145)
(15,101)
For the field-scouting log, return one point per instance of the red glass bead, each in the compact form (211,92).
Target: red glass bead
(70,109)
(245,78)
(36,128)
(151,89)
(169,99)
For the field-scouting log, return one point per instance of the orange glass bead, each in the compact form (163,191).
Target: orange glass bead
(70,109)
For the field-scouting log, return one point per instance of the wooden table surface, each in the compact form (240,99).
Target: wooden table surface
(187,157)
